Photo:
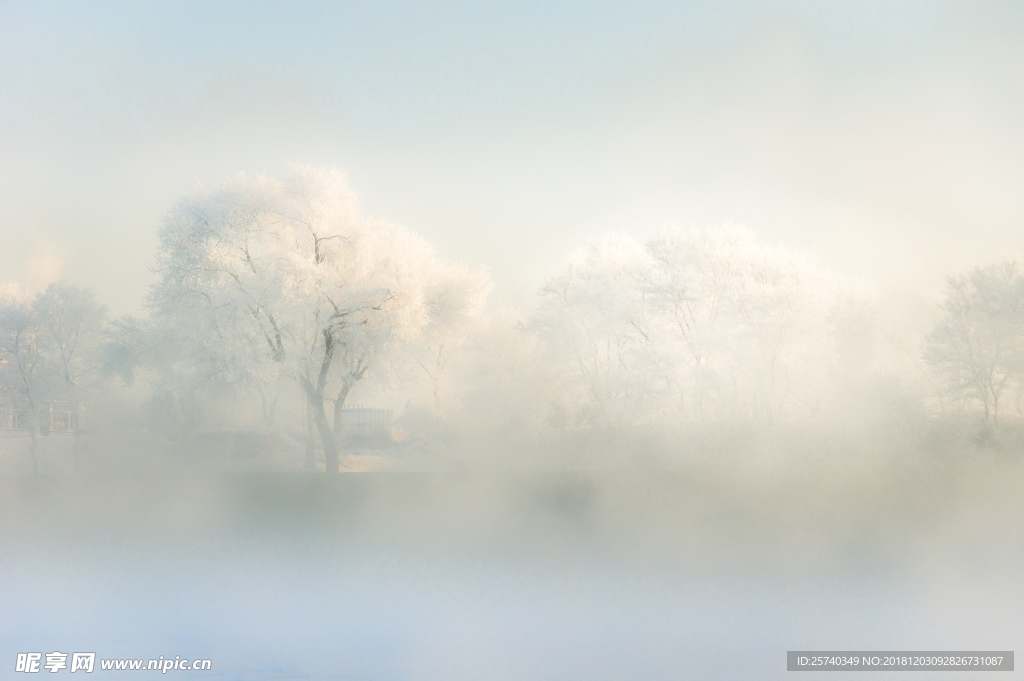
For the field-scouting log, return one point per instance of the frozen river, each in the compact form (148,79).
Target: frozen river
(555,576)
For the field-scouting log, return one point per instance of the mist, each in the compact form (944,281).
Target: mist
(533,342)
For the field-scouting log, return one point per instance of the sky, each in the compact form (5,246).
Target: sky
(886,137)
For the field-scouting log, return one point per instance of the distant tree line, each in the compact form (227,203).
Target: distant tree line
(279,289)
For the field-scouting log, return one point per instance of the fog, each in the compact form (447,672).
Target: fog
(490,342)
(883,138)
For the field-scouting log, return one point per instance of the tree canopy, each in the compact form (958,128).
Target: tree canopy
(51,347)
(978,343)
(691,324)
(267,279)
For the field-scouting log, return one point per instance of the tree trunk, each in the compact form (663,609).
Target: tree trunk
(310,442)
(339,407)
(315,396)
(326,436)
(995,407)
(269,408)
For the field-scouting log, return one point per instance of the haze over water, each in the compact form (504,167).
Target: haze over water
(650,342)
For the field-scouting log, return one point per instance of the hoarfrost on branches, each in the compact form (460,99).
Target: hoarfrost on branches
(264,281)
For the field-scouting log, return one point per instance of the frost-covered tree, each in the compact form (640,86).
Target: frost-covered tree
(454,296)
(509,388)
(49,350)
(266,278)
(72,324)
(594,318)
(25,376)
(978,343)
(694,324)
(756,316)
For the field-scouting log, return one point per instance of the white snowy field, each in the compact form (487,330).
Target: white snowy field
(512,576)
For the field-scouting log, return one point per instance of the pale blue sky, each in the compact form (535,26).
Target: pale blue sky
(886,136)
